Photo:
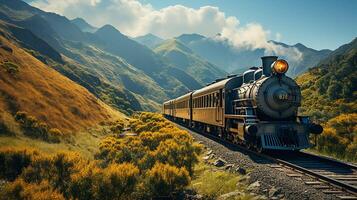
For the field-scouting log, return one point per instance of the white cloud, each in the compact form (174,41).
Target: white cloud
(134,18)
(94,2)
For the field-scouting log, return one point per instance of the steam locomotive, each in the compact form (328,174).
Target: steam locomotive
(258,109)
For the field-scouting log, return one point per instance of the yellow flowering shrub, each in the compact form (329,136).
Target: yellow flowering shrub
(118,181)
(164,179)
(35,128)
(158,141)
(340,137)
(157,162)
(20,190)
(13,161)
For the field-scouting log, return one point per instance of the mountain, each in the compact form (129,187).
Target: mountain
(149,40)
(233,60)
(220,53)
(146,60)
(185,59)
(29,85)
(83,25)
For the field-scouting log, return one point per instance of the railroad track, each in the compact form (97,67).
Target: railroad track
(334,177)
(339,174)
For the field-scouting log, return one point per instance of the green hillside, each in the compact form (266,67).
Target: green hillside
(330,92)
(184,58)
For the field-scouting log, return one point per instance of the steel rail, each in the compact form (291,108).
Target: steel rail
(335,182)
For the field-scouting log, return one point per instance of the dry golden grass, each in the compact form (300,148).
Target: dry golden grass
(84,143)
(46,94)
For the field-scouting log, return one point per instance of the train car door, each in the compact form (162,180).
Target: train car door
(219,107)
(174,109)
(190,110)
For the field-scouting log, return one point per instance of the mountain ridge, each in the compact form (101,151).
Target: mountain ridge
(150,40)
(83,25)
(233,60)
(184,58)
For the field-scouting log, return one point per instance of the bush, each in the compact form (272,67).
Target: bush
(34,128)
(6,48)
(4,130)
(10,67)
(340,137)
(118,181)
(8,125)
(20,190)
(67,174)
(176,154)
(117,126)
(159,144)
(166,144)
(12,162)
(54,135)
(84,184)
(163,179)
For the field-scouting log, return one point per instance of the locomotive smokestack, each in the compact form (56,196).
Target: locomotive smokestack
(267,61)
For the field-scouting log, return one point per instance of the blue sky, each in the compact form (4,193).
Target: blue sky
(316,23)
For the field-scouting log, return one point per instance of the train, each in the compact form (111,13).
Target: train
(258,109)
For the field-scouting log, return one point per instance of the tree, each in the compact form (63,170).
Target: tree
(334,90)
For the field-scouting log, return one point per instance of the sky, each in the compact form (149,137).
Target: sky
(319,24)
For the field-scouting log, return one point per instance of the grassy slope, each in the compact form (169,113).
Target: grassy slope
(46,94)
(184,58)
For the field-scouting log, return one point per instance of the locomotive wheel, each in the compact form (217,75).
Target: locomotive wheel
(259,148)
(249,145)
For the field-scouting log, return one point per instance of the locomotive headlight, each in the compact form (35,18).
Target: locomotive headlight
(280,66)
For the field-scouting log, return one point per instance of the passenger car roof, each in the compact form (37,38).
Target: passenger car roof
(228,83)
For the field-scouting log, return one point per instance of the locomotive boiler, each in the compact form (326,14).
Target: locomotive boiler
(258,108)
